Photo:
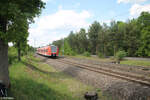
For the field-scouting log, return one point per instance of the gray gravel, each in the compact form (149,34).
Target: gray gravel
(138,70)
(117,88)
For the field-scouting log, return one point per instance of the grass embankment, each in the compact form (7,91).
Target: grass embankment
(35,80)
(38,81)
(92,58)
(136,62)
(125,61)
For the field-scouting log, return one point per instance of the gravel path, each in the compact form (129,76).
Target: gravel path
(117,88)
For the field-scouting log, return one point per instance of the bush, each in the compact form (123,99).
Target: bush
(87,54)
(120,55)
(12,55)
(100,55)
(72,53)
(69,52)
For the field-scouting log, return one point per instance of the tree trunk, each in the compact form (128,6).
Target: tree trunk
(104,50)
(97,49)
(114,51)
(4,73)
(19,52)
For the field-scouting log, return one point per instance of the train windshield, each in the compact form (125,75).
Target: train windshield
(53,48)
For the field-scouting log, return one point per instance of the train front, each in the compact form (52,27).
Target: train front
(54,51)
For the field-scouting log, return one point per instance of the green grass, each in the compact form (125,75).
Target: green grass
(93,58)
(126,62)
(136,62)
(34,80)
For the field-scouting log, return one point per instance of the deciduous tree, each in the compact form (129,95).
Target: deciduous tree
(9,12)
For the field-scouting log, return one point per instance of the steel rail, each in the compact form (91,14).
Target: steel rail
(133,78)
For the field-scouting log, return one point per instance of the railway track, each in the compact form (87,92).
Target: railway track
(113,73)
(143,70)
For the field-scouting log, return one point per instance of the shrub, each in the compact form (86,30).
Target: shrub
(72,53)
(100,55)
(12,55)
(120,55)
(87,54)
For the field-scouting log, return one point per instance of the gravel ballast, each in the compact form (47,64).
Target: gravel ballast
(119,89)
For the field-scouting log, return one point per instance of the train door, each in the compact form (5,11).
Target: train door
(49,51)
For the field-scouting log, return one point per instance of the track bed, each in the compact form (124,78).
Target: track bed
(117,87)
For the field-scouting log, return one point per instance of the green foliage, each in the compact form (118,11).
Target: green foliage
(73,41)
(100,55)
(93,32)
(12,52)
(78,42)
(83,41)
(144,49)
(120,55)
(59,43)
(131,36)
(15,17)
(15,14)
(87,54)
(67,49)
(73,53)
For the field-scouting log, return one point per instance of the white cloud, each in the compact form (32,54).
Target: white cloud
(60,7)
(136,9)
(63,18)
(130,1)
(58,25)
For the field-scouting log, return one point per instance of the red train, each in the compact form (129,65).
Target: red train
(50,50)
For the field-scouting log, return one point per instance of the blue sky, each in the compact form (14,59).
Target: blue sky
(62,16)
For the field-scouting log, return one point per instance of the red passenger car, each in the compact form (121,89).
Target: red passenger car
(50,50)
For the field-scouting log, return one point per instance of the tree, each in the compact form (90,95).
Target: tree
(73,41)
(20,29)
(103,39)
(144,49)
(144,22)
(131,37)
(67,48)
(82,35)
(114,36)
(9,12)
(93,36)
(59,43)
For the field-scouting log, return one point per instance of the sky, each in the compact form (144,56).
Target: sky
(62,16)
